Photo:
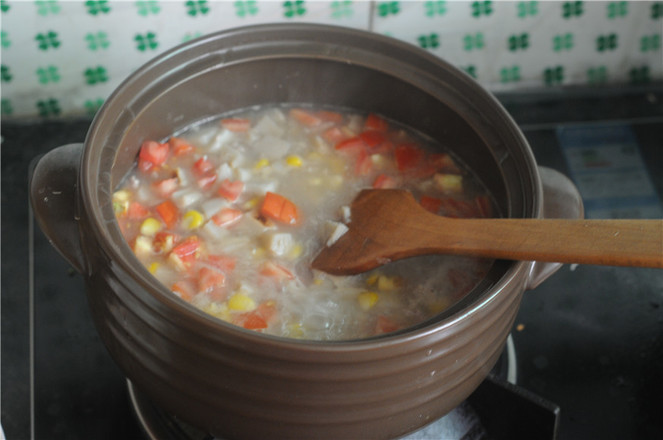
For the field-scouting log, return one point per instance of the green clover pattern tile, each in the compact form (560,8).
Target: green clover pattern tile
(505,45)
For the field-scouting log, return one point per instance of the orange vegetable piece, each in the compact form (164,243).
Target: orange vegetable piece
(226,216)
(180,147)
(277,207)
(168,212)
(305,117)
(236,124)
(375,122)
(184,290)
(432,204)
(137,211)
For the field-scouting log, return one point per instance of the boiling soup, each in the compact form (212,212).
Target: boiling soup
(229,215)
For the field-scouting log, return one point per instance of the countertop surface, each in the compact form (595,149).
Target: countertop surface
(589,339)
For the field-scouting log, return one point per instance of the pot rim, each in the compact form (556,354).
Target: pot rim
(212,327)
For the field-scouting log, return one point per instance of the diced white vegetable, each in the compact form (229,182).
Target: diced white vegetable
(277,243)
(337,229)
(186,197)
(143,246)
(272,147)
(219,141)
(212,232)
(224,172)
(267,126)
(345,214)
(182,176)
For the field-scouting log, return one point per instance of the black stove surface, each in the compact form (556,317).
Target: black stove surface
(589,339)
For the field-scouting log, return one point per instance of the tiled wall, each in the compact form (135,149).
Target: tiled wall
(65,57)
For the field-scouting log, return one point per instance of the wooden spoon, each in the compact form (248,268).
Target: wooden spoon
(389,224)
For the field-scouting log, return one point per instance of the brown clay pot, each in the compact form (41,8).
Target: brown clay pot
(235,383)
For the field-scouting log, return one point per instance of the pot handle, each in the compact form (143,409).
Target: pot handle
(54,195)
(561,199)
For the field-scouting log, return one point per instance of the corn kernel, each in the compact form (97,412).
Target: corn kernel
(153,267)
(218,310)
(121,196)
(262,163)
(367,299)
(295,330)
(251,203)
(386,283)
(241,302)
(192,219)
(372,279)
(318,281)
(150,226)
(296,251)
(294,161)
(450,183)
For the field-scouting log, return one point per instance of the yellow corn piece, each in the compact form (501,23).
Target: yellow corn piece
(262,163)
(153,267)
(241,302)
(386,283)
(367,299)
(121,196)
(295,251)
(251,203)
(295,330)
(318,281)
(259,252)
(372,279)
(218,310)
(294,161)
(449,183)
(150,226)
(192,219)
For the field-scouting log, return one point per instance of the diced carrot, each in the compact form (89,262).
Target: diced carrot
(166,187)
(329,116)
(226,216)
(375,122)
(305,117)
(210,279)
(164,242)
(168,212)
(432,204)
(385,325)
(277,207)
(203,166)
(152,154)
(353,145)
(443,162)
(372,138)
(137,211)
(276,271)
(408,156)
(334,135)
(206,180)
(180,147)
(236,124)
(186,251)
(257,319)
(383,182)
(222,262)
(184,289)
(231,190)
(364,164)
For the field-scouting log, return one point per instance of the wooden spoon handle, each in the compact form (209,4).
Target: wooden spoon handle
(606,242)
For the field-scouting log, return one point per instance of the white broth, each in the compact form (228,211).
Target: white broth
(229,215)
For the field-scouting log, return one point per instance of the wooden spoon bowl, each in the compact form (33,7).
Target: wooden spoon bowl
(389,224)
